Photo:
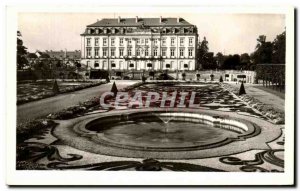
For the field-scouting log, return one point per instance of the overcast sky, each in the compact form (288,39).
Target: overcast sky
(226,33)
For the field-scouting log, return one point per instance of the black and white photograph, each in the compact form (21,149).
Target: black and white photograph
(166,91)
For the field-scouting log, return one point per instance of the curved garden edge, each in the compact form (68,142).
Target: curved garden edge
(65,133)
(277,117)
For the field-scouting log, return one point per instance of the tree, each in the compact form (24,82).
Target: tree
(263,52)
(279,44)
(245,61)
(219,59)
(202,51)
(21,52)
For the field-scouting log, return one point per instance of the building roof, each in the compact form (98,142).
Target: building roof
(141,21)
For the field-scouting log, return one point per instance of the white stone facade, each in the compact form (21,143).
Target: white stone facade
(162,44)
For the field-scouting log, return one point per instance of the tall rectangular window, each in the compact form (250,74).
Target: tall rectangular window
(190,41)
(104,52)
(164,42)
(129,52)
(155,41)
(181,41)
(121,52)
(129,41)
(155,52)
(190,52)
(146,41)
(172,52)
(146,52)
(163,52)
(172,41)
(88,41)
(138,52)
(112,42)
(138,41)
(104,41)
(96,41)
(181,52)
(121,41)
(96,52)
(89,52)
(112,52)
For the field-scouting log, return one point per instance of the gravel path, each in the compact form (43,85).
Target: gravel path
(43,107)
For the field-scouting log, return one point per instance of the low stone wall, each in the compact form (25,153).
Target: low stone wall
(277,117)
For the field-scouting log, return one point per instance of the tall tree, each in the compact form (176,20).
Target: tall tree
(220,59)
(202,51)
(263,52)
(21,52)
(279,44)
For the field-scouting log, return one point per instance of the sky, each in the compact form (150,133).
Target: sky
(226,33)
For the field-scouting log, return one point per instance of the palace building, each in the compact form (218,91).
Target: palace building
(140,44)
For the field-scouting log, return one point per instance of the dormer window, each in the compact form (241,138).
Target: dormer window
(105,31)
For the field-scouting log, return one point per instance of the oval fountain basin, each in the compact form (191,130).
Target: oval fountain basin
(163,131)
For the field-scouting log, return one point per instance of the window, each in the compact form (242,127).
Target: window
(181,52)
(168,66)
(138,52)
(104,64)
(104,52)
(181,41)
(172,41)
(113,65)
(164,42)
(190,52)
(163,52)
(172,52)
(96,64)
(155,52)
(96,52)
(131,65)
(121,41)
(181,65)
(186,65)
(138,41)
(149,65)
(129,41)
(96,41)
(146,52)
(112,42)
(191,41)
(104,41)
(129,51)
(112,52)
(121,51)
(172,63)
(155,41)
(88,42)
(142,41)
(88,52)
(146,41)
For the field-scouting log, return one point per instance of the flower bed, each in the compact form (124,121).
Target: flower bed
(266,110)
(32,91)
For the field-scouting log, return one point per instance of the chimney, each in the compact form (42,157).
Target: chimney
(119,19)
(160,19)
(178,19)
(136,19)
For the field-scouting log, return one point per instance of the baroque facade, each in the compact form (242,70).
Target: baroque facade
(136,44)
